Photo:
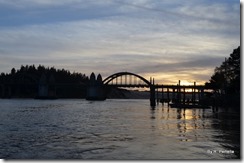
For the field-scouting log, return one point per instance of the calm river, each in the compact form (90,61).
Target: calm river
(114,129)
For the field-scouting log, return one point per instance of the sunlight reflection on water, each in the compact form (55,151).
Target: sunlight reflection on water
(113,129)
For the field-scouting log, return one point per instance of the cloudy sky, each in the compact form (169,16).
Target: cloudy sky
(169,40)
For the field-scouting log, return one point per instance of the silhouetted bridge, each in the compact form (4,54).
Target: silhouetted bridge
(130,80)
(177,93)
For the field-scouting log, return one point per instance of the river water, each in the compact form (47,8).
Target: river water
(114,129)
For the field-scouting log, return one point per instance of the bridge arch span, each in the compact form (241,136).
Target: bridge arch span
(120,74)
(148,83)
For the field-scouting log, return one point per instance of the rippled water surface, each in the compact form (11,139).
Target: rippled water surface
(114,129)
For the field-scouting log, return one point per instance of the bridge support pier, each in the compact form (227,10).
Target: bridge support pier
(152,96)
(95,89)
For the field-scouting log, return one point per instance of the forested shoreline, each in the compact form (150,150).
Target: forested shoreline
(26,82)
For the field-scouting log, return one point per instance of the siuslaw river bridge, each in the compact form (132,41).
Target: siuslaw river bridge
(175,93)
(95,88)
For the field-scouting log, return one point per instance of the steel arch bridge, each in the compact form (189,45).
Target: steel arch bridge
(127,79)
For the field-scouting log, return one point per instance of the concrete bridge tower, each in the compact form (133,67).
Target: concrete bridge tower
(95,88)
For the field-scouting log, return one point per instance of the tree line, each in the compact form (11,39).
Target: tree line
(225,81)
(24,81)
(61,75)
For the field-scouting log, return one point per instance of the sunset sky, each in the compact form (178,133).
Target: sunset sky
(169,40)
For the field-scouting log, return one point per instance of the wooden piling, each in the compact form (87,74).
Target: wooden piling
(202,94)
(157,96)
(162,93)
(199,95)
(179,93)
(184,95)
(168,95)
(194,93)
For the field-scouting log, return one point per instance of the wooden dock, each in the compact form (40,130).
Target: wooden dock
(181,96)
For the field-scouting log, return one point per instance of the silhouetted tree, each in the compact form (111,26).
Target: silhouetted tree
(226,77)
(13,71)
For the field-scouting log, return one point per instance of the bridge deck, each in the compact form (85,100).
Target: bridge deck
(159,86)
